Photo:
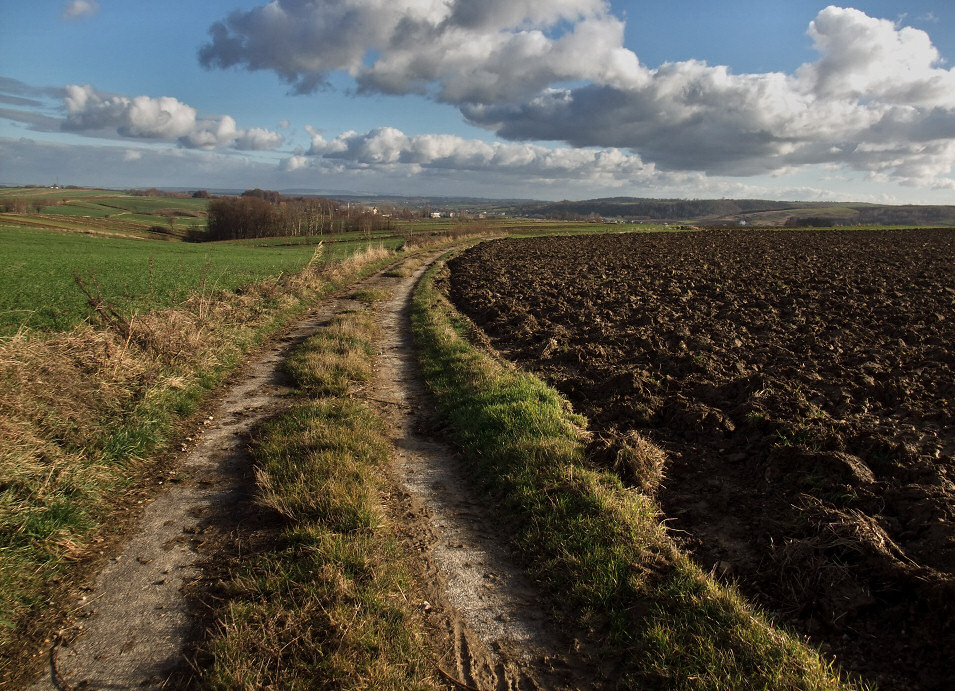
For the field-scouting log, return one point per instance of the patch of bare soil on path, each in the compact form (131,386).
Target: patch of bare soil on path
(136,624)
(130,627)
(489,615)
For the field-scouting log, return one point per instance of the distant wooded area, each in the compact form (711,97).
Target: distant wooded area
(263,213)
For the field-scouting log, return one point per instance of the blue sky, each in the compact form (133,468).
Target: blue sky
(547,99)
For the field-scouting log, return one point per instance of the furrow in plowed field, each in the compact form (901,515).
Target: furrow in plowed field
(802,385)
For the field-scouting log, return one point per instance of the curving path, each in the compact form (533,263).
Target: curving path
(133,625)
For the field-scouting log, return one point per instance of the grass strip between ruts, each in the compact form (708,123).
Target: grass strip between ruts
(324,606)
(595,545)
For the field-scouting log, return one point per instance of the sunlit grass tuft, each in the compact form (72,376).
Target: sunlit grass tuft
(371,295)
(338,359)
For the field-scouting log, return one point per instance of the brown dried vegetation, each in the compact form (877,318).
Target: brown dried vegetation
(82,411)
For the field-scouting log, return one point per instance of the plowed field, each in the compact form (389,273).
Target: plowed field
(802,385)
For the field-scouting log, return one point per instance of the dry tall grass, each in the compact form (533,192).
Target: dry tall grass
(80,411)
(639,462)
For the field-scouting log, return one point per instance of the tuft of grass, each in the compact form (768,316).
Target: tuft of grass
(337,360)
(596,545)
(371,295)
(325,606)
(311,465)
(310,615)
(400,271)
(639,462)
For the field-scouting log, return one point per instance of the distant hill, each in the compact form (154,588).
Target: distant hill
(706,212)
(737,211)
(703,212)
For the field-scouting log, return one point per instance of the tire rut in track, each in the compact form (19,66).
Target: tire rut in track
(480,601)
(131,626)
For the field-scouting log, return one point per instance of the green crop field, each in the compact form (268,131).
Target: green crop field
(101,210)
(38,289)
(127,248)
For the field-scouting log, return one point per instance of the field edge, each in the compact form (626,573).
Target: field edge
(594,544)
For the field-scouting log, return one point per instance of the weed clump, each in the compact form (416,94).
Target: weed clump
(639,462)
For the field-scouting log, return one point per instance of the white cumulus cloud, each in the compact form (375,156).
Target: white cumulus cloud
(866,58)
(293,163)
(474,51)
(76,9)
(878,99)
(258,139)
(164,118)
(875,88)
(389,148)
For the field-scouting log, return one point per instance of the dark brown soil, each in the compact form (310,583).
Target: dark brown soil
(802,385)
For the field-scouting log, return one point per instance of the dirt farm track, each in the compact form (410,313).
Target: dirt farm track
(802,387)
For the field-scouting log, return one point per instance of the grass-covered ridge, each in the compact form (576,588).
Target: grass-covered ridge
(594,544)
(102,212)
(325,605)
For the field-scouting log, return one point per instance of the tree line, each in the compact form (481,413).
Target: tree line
(18,205)
(264,213)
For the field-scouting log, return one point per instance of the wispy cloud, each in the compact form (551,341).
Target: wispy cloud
(37,107)
(97,164)
(877,99)
(77,9)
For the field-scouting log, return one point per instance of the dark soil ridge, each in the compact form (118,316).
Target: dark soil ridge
(802,385)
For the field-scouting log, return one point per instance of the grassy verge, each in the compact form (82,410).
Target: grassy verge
(325,605)
(85,416)
(594,544)
(336,358)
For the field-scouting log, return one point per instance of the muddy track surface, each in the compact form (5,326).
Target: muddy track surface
(134,626)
